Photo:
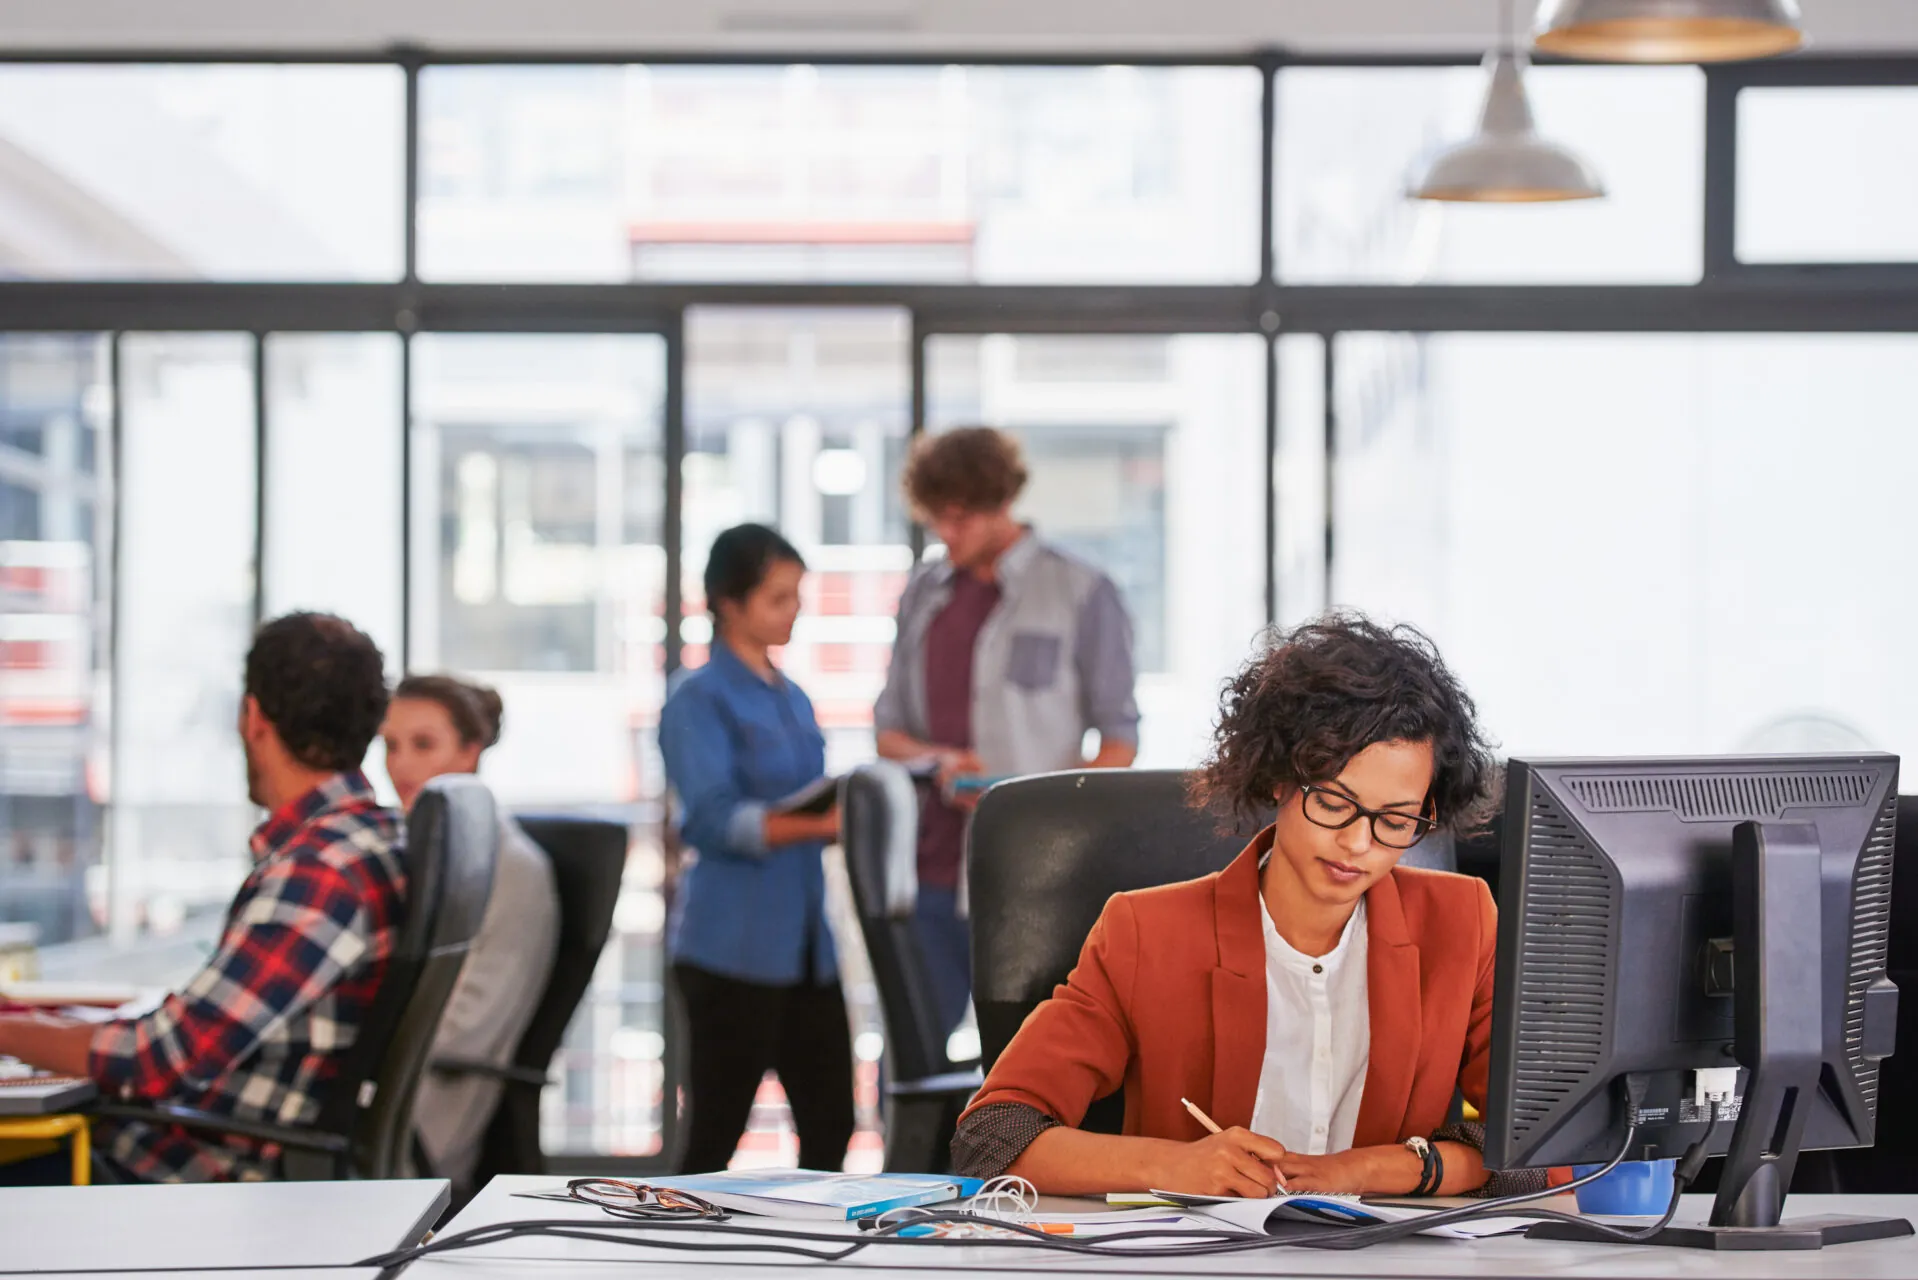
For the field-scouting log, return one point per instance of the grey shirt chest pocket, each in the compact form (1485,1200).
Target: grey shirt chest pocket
(1033,662)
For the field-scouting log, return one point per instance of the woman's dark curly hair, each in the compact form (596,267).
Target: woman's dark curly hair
(1320,694)
(322,684)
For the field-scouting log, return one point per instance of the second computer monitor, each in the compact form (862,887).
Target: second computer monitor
(1628,889)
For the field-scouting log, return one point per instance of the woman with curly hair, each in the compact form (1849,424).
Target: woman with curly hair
(1322,1003)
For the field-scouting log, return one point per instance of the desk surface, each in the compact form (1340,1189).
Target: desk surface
(1422,1259)
(199,1227)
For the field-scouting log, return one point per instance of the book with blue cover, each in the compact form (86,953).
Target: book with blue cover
(806,1193)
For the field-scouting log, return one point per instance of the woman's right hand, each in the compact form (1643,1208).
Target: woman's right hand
(796,828)
(1236,1162)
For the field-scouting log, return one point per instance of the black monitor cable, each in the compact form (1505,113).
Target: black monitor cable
(1188,1244)
(1183,1244)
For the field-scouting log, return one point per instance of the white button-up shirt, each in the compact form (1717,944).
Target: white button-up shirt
(1318,1041)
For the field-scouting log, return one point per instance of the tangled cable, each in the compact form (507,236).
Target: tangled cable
(973,1229)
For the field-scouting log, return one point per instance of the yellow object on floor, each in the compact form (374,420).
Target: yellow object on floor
(20,1131)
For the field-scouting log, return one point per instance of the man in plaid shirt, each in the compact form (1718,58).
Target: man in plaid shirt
(264,1027)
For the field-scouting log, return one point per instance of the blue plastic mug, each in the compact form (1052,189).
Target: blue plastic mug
(1637,1188)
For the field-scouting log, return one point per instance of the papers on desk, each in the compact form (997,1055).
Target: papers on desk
(1260,1216)
(1091,1226)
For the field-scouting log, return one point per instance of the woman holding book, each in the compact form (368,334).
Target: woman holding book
(752,954)
(1318,1002)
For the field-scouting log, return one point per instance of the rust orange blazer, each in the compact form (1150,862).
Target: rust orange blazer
(1168,999)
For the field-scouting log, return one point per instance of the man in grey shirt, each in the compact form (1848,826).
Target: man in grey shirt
(1009,651)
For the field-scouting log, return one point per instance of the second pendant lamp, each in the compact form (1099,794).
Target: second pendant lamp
(1506,162)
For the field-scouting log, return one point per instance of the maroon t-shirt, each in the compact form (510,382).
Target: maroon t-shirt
(950,641)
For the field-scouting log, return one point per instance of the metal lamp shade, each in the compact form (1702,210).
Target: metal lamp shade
(1668,30)
(1506,162)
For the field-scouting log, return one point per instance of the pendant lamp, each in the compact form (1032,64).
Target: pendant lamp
(1506,162)
(1668,30)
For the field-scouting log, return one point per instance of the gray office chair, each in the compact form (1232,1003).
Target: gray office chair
(365,1125)
(589,858)
(1044,855)
(925,1090)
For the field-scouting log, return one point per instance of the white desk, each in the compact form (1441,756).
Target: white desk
(198,1227)
(1424,1259)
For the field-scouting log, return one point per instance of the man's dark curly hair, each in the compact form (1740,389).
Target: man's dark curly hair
(1320,694)
(322,685)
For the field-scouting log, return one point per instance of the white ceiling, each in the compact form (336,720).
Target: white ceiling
(783,26)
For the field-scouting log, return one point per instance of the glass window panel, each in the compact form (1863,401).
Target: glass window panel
(1494,489)
(539,570)
(180,812)
(201,172)
(798,418)
(1299,479)
(991,174)
(333,446)
(1827,175)
(56,515)
(1146,454)
(1349,139)
(334,442)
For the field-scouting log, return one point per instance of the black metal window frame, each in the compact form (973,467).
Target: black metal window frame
(1729,297)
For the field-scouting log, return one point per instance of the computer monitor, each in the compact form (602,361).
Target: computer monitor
(1662,917)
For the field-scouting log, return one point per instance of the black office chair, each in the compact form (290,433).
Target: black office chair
(925,1090)
(589,858)
(1044,855)
(365,1125)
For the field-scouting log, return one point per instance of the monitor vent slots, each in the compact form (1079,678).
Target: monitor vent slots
(1564,975)
(1720,796)
(1870,939)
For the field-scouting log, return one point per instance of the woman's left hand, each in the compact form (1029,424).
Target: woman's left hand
(1361,1171)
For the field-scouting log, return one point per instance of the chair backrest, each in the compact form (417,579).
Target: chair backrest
(452,844)
(879,823)
(589,858)
(1046,852)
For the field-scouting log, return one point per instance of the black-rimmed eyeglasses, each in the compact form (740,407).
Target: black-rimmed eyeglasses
(1335,810)
(633,1200)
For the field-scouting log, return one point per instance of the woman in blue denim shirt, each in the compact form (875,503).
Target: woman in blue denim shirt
(752,954)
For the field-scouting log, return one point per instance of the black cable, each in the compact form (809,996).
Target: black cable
(789,1242)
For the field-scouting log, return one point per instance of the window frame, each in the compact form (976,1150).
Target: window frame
(1808,279)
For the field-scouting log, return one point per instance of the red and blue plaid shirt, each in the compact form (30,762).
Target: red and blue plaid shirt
(260,1031)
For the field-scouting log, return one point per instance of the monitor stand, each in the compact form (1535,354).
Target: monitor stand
(1778,970)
